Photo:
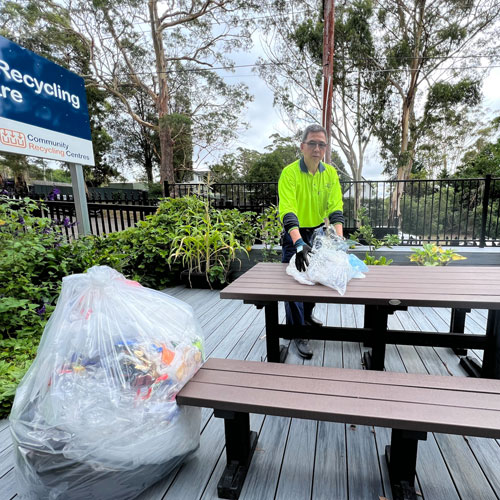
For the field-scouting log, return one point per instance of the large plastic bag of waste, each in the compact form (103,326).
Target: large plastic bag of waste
(329,263)
(95,416)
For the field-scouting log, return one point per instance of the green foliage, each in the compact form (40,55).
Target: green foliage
(34,257)
(226,170)
(433,255)
(269,232)
(16,356)
(365,235)
(371,260)
(242,225)
(206,244)
(267,168)
(180,125)
(482,160)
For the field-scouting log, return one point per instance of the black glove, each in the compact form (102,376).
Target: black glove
(302,256)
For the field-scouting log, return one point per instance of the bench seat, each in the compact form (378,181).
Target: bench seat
(410,404)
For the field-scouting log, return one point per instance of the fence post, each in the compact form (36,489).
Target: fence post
(486,201)
(166,189)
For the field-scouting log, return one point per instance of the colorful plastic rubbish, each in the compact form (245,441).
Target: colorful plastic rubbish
(96,416)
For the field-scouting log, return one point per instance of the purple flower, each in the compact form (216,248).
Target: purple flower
(21,220)
(52,195)
(66,222)
(41,310)
(4,191)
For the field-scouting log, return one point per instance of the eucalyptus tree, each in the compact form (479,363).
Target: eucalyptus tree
(432,54)
(293,70)
(151,46)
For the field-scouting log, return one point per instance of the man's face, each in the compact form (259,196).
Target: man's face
(314,147)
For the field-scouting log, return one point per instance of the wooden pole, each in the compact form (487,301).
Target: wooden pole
(328,48)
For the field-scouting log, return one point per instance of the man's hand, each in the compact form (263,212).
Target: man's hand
(302,256)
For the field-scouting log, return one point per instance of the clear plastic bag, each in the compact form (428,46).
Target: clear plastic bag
(95,416)
(329,263)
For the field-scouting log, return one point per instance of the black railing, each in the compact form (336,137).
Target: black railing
(443,211)
(245,196)
(105,217)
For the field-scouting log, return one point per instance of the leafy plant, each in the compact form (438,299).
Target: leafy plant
(434,255)
(243,226)
(34,257)
(205,244)
(269,230)
(365,234)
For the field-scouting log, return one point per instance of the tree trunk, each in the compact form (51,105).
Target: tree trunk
(167,156)
(162,101)
(148,167)
(407,120)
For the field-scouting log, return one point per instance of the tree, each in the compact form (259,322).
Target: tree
(46,33)
(17,166)
(295,49)
(178,47)
(225,170)
(421,44)
(267,168)
(484,157)
(136,146)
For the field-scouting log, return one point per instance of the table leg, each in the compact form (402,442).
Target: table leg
(491,358)
(275,352)
(240,447)
(366,324)
(376,318)
(457,325)
(401,456)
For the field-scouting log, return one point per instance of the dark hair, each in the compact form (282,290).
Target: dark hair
(312,129)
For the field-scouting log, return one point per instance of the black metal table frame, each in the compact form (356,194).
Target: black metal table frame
(375,334)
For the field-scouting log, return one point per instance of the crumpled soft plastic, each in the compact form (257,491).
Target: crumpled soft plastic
(95,416)
(329,263)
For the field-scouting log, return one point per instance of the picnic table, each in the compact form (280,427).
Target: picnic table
(384,290)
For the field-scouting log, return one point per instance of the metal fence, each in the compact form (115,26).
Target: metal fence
(106,215)
(444,211)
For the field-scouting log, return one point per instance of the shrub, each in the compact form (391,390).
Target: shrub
(365,234)
(433,255)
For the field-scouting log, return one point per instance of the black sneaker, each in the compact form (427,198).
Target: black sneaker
(312,322)
(303,348)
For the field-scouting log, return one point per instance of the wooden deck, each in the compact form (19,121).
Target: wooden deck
(302,459)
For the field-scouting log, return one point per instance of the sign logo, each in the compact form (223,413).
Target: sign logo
(12,138)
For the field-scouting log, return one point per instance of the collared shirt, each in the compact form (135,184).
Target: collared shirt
(310,197)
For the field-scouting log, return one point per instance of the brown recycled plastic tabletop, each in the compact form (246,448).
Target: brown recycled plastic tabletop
(384,290)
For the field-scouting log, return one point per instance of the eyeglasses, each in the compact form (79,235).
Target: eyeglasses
(314,144)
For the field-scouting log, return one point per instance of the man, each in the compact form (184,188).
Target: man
(309,194)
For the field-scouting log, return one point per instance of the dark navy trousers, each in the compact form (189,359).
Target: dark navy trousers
(296,312)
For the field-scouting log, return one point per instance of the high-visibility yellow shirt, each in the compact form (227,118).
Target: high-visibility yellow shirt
(310,197)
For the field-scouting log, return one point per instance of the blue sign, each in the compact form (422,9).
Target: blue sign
(43,107)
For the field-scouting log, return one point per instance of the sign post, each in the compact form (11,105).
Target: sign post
(80,197)
(43,113)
